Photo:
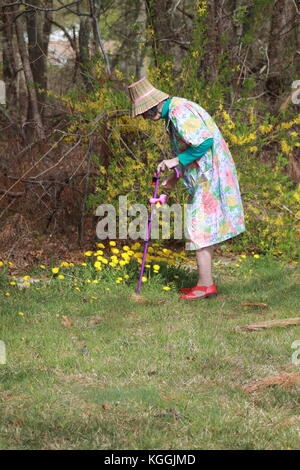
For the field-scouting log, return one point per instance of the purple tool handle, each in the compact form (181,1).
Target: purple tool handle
(148,235)
(177,172)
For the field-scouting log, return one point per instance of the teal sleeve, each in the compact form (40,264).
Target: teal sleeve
(193,153)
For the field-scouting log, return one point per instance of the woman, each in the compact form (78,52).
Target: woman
(215,211)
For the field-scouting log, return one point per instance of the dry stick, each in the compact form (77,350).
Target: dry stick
(270,324)
(89,155)
(60,160)
(33,166)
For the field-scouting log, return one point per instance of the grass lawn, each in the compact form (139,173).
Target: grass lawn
(92,369)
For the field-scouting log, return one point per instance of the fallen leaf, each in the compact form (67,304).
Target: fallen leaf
(95,320)
(66,321)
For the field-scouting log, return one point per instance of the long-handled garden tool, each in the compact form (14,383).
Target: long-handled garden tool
(152,201)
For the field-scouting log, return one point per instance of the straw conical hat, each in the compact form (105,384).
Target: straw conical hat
(144,96)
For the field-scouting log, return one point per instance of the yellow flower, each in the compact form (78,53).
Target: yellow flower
(243,256)
(88,253)
(166,288)
(97,264)
(83,264)
(26,278)
(7,293)
(104,260)
(156,267)
(126,248)
(77,288)
(256,256)
(1,263)
(95,281)
(144,279)
(115,250)
(54,270)
(71,265)
(12,283)
(112,243)
(42,266)
(21,314)
(100,245)
(60,276)
(126,276)
(27,283)
(64,264)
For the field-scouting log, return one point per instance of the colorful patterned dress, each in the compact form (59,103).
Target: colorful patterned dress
(214,211)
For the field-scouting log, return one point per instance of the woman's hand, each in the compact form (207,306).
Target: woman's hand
(168,164)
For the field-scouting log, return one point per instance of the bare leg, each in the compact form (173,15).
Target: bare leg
(204,261)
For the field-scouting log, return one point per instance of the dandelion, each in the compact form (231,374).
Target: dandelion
(21,314)
(7,294)
(61,276)
(156,267)
(88,253)
(256,256)
(83,264)
(95,281)
(71,265)
(54,270)
(122,263)
(42,266)
(27,283)
(237,265)
(144,279)
(243,256)
(97,264)
(26,278)
(166,288)
(64,264)
(1,263)
(126,248)
(112,243)
(104,260)
(77,288)
(115,250)
(126,276)
(12,283)
(100,245)
(107,288)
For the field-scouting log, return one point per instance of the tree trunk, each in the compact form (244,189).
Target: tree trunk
(38,30)
(9,61)
(38,125)
(84,52)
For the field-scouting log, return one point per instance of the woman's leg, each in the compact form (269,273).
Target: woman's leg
(204,261)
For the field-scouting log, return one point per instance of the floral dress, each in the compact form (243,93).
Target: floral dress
(214,212)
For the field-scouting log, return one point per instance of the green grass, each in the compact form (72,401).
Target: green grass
(160,375)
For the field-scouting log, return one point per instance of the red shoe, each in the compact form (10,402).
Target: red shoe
(207,292)
(186,290)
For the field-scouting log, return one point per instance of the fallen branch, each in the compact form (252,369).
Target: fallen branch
(285,379)
(270,324)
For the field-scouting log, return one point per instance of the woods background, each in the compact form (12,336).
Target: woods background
(67,143)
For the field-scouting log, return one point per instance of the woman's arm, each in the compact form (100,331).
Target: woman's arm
(192,153)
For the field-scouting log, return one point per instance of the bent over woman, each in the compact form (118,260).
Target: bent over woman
(215,211)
